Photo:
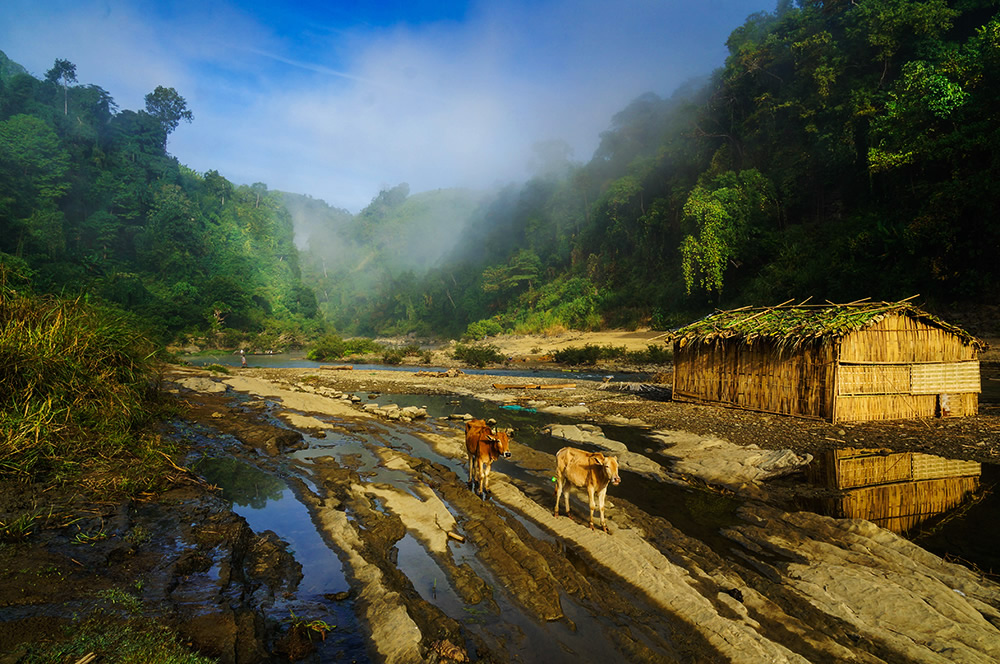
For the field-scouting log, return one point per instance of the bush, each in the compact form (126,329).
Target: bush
(392,356)
(654,354)
(589,354)
(329,347)
(481,329)
(478,355)
(361,346)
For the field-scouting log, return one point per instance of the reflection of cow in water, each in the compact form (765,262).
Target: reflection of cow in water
(484,446)
(586,470)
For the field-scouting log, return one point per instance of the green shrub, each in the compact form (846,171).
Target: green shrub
(392,356)
(361,346)
(574,355)
(77,386)
(478,355)
(480,329)
(654,354)
(329,347)
(660,354)
(589,354)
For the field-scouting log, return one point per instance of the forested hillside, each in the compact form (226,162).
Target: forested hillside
(844,150)
(91,203)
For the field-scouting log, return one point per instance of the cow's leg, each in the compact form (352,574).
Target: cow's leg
(590,495)
(487,467)
(600,504)
(481,477)
(559,490)
(471,477)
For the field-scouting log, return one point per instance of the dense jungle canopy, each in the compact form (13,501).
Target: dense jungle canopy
(845,149)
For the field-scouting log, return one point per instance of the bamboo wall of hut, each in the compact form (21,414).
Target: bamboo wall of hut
(758,377)
(841,363)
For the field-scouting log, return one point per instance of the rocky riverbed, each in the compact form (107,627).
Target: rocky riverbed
(695,568)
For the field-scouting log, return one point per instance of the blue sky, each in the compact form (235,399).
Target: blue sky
(341,99)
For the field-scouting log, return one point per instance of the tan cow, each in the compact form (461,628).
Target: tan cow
(586,470)
(484,445)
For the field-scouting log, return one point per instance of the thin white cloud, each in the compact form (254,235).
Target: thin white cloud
(337,109)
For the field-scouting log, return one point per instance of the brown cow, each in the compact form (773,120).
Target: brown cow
(586,470)
(484,445)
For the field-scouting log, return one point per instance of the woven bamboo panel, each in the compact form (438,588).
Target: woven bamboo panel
(945,378)
(929,467)
(873,379)
(868,407)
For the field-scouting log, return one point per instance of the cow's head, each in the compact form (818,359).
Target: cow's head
(500,440)
(610,465)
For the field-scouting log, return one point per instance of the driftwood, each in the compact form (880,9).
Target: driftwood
(338,367)
(647,389)
(450,373)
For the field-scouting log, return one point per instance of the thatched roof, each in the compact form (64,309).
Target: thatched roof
(798,325)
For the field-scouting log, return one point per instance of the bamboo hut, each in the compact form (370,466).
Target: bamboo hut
(837,362)
(897,491)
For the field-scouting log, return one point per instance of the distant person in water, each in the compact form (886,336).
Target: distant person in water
(243,358)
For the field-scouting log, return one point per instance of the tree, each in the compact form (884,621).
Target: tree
(726,217)
(168,107)
(63,72)
(33,164)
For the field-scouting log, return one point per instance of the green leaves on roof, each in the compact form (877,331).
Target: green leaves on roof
(797,325)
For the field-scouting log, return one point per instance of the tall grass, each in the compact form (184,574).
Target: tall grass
(75,383)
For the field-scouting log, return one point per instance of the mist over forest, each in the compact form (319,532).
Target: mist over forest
(843,150)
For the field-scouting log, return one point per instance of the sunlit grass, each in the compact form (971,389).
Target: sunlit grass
(78,386)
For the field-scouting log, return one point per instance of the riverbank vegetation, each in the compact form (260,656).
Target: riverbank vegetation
(79,391)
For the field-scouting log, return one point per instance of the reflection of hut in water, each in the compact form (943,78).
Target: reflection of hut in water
(848,362)
(894,490)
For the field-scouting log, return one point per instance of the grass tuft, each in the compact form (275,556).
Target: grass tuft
(78,385)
